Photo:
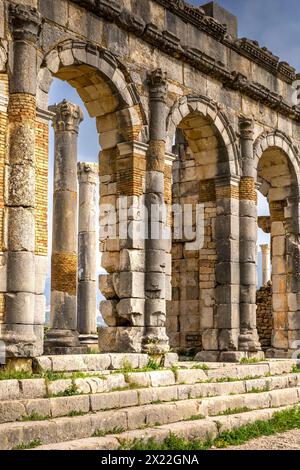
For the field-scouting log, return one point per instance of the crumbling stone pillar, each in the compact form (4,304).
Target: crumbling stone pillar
(248,339)
(266,270)
(63,336)
(20,185)
(87,250)
(227,267)
(291,322)
(156,340)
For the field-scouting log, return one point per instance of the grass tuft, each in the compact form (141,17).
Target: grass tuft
(28,445)
(282,421)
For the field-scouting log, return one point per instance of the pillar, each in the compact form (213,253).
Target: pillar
(156,340)
(63,336)
(248,339)
(87,253)
(227,267)
(19,335)
(266,269)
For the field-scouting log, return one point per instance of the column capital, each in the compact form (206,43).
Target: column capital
(157,81)
(67,116)
(87,172)
(25,22)
(265,248)
(246,128)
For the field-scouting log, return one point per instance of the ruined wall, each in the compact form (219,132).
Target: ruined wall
(264,315)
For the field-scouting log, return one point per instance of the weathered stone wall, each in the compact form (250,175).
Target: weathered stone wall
(106,50)
(264,315)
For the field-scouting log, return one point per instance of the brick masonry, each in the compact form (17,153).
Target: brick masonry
(41,187)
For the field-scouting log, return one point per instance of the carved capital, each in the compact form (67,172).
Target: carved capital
(246,128)
(67,116)
(87,172)
(157,81)
(25,22)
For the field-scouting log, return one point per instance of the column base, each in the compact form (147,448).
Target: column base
(227,356)
(63,342)
(88,339)
(249,341)
(155,341)
(19,341)
(273,353)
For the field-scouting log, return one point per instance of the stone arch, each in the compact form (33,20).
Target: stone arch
(276,160)
(96,74)
(279,140)
(110,97)
(216,117)
(205,173)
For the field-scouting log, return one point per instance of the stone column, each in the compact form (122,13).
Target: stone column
(227,268)
(266,268)
(20,185)
(87,251)
(248,339)
(63,336)
(156,340)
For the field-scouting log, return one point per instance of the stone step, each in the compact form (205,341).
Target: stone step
(76,427)
(208,428)
(96,362)
(106,381)
(53,407)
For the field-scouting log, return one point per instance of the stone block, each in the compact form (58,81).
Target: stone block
(33,388)
(141,379)
(21,188)
(9,390)
(57,12)
(107,339)
(108,310)
(132,310)
(132,260)
(210,340)
(284,397)
(62,406)
(21,267)
(11,411)
(59,386)
(132,284)
(20,308)
(21,228)
(40,407)
(228,315)
(190,376)
(228,339)
(69,363)
(110,261)
(162,378)
(97,362)
(106,286)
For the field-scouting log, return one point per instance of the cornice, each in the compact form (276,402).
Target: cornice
(168,43)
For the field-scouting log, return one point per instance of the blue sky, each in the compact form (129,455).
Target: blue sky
(273,23)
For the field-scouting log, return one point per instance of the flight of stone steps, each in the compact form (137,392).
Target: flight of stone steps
(103,401)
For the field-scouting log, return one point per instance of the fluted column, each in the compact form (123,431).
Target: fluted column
(63,336)
(156,340)
(20,185)
(248,339)
(266,269)
(87,250)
